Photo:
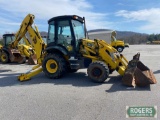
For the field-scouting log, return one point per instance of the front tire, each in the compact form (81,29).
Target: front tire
(4,58)
(54,66)
(98,71)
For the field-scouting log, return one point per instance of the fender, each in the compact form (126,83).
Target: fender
(5,50)
(57,48)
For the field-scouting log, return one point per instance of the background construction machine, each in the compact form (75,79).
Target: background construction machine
(10,55)
(69,49)
(119,45)
(12,51)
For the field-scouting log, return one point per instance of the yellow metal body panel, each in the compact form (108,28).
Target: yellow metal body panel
(117,43)
(99,50)
(24,50)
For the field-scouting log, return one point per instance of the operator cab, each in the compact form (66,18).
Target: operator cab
(66,31)
(7,39)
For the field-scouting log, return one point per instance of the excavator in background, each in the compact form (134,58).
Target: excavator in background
(110,37)
(69,49)
(119,45)
(18,52)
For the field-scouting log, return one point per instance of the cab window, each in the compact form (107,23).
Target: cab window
(51,32)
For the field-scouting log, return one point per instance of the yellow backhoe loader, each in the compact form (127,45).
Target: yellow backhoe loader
(119,45)
(68,49)
(12,51)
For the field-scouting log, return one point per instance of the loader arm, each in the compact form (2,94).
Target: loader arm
(99,50)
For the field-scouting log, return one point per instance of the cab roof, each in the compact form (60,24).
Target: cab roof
(9,34)
(66,17)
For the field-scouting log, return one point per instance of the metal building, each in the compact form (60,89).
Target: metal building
(102,35)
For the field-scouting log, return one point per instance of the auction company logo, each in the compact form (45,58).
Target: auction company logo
(141,111)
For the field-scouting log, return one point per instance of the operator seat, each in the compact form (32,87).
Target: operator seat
(61,39)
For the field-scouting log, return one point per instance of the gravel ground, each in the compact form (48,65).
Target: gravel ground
(75,97)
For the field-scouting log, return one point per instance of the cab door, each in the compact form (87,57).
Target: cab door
(65,36)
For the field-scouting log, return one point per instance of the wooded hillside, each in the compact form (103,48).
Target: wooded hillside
(133,37)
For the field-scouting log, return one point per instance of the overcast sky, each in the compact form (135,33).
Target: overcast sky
(125,15)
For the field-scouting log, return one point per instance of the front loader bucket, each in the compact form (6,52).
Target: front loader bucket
(32,60)
(128,78)
(15,56)
(137,74)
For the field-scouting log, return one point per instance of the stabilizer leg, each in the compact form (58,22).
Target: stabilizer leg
(34,71)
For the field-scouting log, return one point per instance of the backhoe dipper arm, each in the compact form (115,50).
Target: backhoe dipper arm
(36,40)
(26,41)
(28,21)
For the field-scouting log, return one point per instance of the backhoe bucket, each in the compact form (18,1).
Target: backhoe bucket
(32,60)
(15,56)
(137,74)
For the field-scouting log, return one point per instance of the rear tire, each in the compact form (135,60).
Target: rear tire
(4,58)
(54,66)
(98,71)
